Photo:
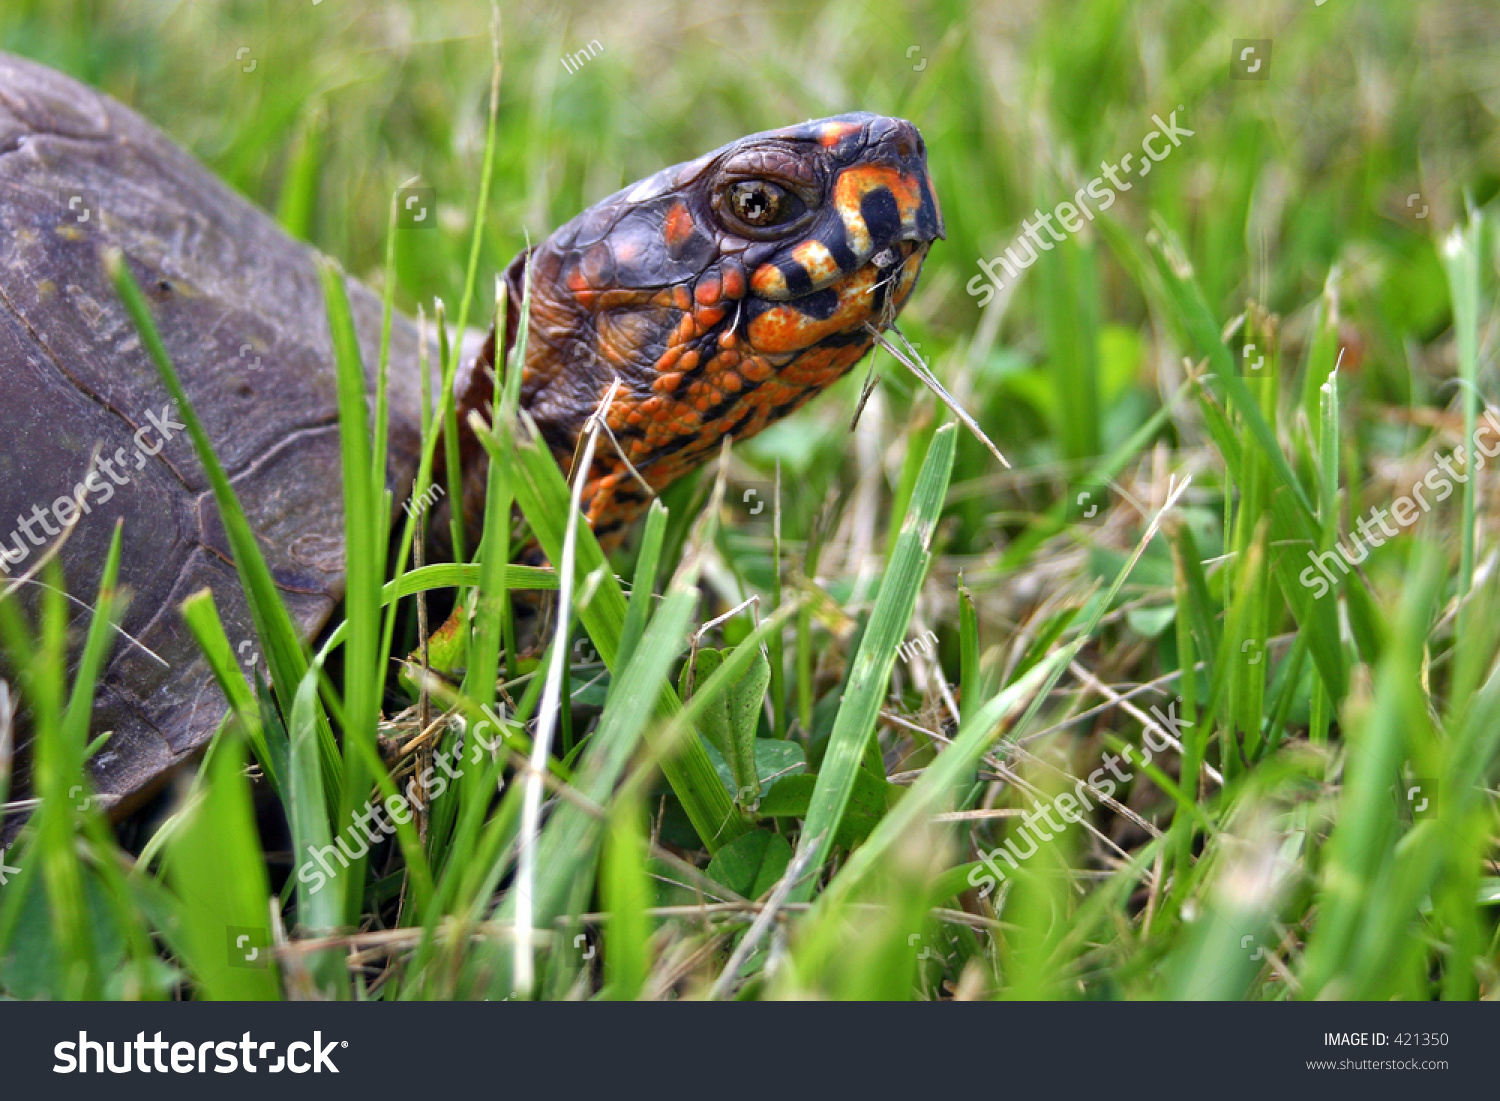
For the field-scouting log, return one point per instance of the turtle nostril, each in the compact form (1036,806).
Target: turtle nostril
(903,149)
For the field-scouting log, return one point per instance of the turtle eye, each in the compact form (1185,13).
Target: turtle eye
(760,203)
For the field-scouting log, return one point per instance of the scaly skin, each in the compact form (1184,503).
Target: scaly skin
(715,326)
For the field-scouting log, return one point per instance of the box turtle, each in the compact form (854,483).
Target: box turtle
(723,293)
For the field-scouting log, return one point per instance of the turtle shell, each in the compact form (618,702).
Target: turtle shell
(240,309)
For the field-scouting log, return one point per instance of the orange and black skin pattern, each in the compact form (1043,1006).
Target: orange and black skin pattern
(723,294)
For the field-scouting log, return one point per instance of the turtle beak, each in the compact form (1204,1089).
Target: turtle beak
(885,198)
(886,209)
(897,146)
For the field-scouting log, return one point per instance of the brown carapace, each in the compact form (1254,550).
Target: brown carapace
(723,294)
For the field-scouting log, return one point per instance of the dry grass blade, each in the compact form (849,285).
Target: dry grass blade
(914,364)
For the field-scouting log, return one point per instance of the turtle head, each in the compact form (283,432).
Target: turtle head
(844,212)
(722,292)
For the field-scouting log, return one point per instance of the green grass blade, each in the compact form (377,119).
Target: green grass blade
(568,842)
(298,206)
(876,656)
(364,544)
(378,449)
(1461,252)
(939,780)
(215,867)
(273,624)
(202,617)
(96,648)
(643,585)
(447,575)
(543,496)
(1377,731)
(492,607)
(626,894)
(321,884)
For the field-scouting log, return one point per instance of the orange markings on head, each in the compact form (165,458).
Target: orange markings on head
(680,298)
(730,381)
(688,361)
(785,328)
(679,226)
(855,183)
(734,283)
(768,282)
(666,382)
(727,339)
(780,330)
(708,316)
(707,291)
(816,260)
(576,282)
(836,132)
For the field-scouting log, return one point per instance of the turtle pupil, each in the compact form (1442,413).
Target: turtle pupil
(755,203)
